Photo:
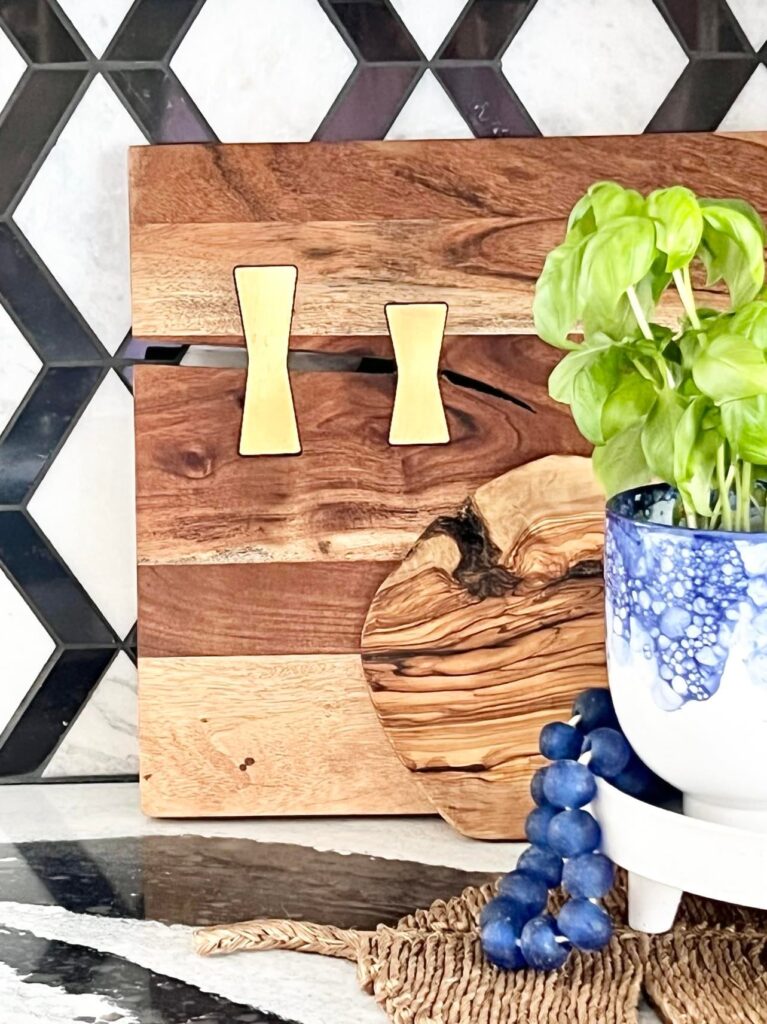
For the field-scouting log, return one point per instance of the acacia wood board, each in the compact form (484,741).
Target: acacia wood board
(467,222)
(485,632)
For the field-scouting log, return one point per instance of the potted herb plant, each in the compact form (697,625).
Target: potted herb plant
(678,419)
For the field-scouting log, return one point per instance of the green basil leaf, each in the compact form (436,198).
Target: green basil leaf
(592,386)
(555,305)
(678,224)
(731,366)
(742,207)
(695,449)
(617,257)
(620,463)
(627,404)
(658,432)
(750,321)
(745,426)
(562,376)
(732,250)
(581,222)
(611,200)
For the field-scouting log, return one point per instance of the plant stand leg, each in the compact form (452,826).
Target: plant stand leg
(652,905)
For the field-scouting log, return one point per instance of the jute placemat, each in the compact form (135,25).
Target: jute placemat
(429,969)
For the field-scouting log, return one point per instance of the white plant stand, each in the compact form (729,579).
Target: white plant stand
(667,854)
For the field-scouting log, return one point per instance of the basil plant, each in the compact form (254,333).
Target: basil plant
(685,404)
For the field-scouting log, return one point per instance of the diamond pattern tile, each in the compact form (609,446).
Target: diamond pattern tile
(85,504)
(585,89)
(429,23)
(12,67)
(281,95)
(20,366)
(752,15)
(429,114)
(748,111)
(25,646)
(103,737)
(75,213)
(96,20)
(129,71)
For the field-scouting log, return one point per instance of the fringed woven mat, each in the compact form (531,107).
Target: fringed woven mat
(429,969)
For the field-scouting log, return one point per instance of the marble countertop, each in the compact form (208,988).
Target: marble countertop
(98,905)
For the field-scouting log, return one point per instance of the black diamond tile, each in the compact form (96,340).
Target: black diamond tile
(705,26)
(27,448)
(39,31)
(376,31)
(368,107)
(485,30)
(29,122)
(43,311)
(487,101)
(702,95)
(50,587)
(63,692)
(152,29)
(162,106)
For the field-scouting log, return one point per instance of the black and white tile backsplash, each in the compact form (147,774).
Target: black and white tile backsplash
(80,81)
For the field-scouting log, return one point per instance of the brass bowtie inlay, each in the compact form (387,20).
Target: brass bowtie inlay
(266,295)
(416,331)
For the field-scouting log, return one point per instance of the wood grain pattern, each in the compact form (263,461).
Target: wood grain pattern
(265,735)
(465,222)
(349,495)
(486,631)
(255,608)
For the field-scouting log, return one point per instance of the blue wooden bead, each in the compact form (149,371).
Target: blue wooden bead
(540,947)
(573,832)
(610,752)
(500,944)
(559,740)
(590,875)
(530,894)
(637,780)
(569,784)
(536,786)
(543,864)
(506,908)
(537,823)
(595,706)
(587,925)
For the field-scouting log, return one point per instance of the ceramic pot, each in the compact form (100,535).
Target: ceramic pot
(686,627)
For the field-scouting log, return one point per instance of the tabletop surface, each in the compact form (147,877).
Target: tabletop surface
(98,904)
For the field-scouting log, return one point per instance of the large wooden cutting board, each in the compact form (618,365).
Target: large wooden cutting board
(255,574)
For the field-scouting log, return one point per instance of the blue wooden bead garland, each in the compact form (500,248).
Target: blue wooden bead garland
(515,929)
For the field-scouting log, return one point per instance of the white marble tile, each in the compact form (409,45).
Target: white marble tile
(75,212)
(103,810)
(25,646)
(752,15)
(310,989)
(429,114)
(593,67)
(103,739)
(749,111)
(20,365)
(86,503)
(25,1001)
(12,67)
(96,20)
(429,21)
(263,72)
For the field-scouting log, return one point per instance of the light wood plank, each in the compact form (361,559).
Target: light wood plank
(266,736)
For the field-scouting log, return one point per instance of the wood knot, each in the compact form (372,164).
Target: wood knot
(196,464)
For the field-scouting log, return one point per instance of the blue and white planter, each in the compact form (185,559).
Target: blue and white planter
(686,622)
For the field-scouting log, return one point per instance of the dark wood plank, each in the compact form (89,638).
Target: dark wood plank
(466,222)
(348,496)
(255,608)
